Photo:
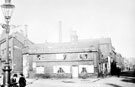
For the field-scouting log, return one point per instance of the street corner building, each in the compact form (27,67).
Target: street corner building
(75,59)
(17,41)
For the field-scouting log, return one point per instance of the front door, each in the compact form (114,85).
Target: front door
(74,71)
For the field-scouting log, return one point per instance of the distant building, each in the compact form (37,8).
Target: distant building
(120,61)
(106,58)
(73,36)
(126,64)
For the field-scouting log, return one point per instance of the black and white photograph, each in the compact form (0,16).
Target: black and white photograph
(67,43)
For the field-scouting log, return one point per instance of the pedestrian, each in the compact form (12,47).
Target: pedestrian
(22,81)
(14,81)
(118,71)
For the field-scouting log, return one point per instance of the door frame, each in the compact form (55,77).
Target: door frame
(77,67)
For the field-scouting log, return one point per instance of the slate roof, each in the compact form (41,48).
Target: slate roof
(80,46)
(63,47)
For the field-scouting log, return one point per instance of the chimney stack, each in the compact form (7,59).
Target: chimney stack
(73,36)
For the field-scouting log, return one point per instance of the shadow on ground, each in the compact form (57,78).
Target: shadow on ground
(113,85)
(129,79)
(128,76)
(68,81)
(128,73)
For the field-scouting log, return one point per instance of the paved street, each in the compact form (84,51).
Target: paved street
(94,82)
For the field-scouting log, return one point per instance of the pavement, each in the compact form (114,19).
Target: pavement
(31,80)
(125,80)
(75,80)
(64,81)
(109,81)
(89,82)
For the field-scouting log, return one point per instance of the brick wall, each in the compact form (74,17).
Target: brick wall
(17,56)
(48,69)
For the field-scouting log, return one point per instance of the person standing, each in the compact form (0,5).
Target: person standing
(14,81)
(22,81)
(119,71)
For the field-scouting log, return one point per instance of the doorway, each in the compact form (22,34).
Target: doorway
(75,72)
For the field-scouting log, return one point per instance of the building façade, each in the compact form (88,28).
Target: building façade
(79,59)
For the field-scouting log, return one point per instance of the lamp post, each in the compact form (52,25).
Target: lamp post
(7,9)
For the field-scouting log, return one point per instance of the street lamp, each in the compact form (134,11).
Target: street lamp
(7,9)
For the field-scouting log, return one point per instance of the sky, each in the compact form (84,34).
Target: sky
(90,18)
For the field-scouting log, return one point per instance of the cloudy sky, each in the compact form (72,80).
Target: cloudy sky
(90,18)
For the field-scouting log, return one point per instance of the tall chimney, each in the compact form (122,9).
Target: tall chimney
(60,31)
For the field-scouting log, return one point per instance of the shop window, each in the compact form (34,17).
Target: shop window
(40,70)
(60,70)
(84,70)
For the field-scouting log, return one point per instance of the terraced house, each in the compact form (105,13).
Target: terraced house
(62,59)
(75,59)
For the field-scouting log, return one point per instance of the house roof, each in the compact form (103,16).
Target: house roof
(17,35)
(81,46)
